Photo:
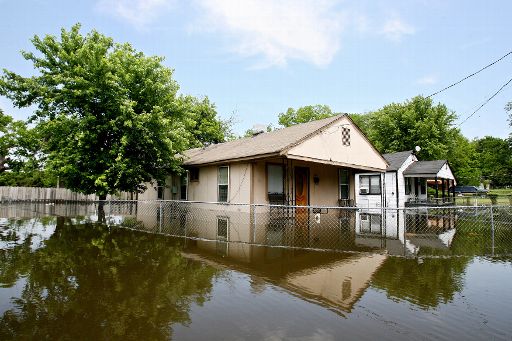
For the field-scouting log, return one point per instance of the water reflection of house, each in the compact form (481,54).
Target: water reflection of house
(334,280)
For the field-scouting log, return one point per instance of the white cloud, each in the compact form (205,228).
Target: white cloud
(394,29)
(276,30)
(136,12)
(427,80)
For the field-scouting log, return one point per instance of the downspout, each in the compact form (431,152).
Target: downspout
(384,190)
(396,185)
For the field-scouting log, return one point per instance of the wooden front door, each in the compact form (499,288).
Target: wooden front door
(301,186)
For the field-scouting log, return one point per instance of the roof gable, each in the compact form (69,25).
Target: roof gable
(396,160)
(341,144)
(266,144)
(434,168)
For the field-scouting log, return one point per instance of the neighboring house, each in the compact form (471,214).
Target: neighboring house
(314,163)
(405,182)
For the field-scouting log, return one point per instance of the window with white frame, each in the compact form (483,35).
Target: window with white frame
(369,184)
(223,184)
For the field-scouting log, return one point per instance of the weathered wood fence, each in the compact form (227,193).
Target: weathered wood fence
(8,193)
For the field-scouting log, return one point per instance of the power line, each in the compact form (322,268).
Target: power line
(471,75)
(487,101)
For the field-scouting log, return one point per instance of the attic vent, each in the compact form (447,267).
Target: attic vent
(258,129)
(345,136)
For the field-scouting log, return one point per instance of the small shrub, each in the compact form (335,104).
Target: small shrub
(494,198)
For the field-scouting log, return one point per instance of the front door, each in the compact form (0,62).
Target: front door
(301,186)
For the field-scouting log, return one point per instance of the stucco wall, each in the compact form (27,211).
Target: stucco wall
(327,145)
(151,192)
(325,193)
(206,188)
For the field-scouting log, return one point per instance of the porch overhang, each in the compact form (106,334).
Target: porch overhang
(429,176)
(335,163)
(437,169)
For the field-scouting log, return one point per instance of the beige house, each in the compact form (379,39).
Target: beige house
(307,164)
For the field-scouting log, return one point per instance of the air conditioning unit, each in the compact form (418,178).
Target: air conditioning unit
(363,191)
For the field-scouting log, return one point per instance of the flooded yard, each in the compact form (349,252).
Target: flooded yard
(153,271)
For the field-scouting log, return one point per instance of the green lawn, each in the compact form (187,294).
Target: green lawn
(478,200)
(501,191)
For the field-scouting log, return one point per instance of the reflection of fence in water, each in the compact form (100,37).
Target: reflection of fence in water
(397,231)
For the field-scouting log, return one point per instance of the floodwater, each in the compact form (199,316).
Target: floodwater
(64,275)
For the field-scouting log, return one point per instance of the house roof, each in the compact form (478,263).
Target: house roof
(396,160)
(425,168)
(265,144)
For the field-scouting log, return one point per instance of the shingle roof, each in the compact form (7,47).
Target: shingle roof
(396,160)
(263,144)
(425,167)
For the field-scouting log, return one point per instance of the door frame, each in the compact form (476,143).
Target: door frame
(295,183)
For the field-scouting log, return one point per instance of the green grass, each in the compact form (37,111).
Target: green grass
(501,191)
(501,200)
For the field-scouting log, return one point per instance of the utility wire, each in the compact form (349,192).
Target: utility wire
(487,101)
(471,75)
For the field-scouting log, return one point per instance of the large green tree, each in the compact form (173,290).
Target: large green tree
(495,160)
(304,114)
(109,117)
(416,122)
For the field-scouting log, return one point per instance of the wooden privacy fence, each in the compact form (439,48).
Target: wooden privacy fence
(8,193)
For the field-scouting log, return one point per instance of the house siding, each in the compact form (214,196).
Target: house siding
(327,145)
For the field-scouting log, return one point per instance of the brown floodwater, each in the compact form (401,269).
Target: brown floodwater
(64,275)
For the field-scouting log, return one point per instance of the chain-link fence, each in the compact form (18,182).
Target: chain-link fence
(419,231)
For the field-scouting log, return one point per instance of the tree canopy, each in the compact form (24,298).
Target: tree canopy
(495,160)
(109,116)
(402,126)
(304,114)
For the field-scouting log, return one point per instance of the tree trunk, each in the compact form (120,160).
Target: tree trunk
(101,209)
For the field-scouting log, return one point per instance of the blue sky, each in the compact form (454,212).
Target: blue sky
(256,58)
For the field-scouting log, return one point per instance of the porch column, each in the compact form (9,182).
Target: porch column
(437,189)
(442,186)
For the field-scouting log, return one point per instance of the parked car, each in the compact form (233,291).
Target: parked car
(470,190)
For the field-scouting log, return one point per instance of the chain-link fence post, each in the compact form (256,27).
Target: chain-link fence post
(492,231)
(160,218)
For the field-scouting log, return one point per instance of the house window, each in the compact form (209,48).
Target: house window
(223,183)
(371,223)
(344,183)
(160,192)
(407,186)
(345,136)
(369,184)
(346,289)
(222,228)
(184,186)
(275,179)
(194,174)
